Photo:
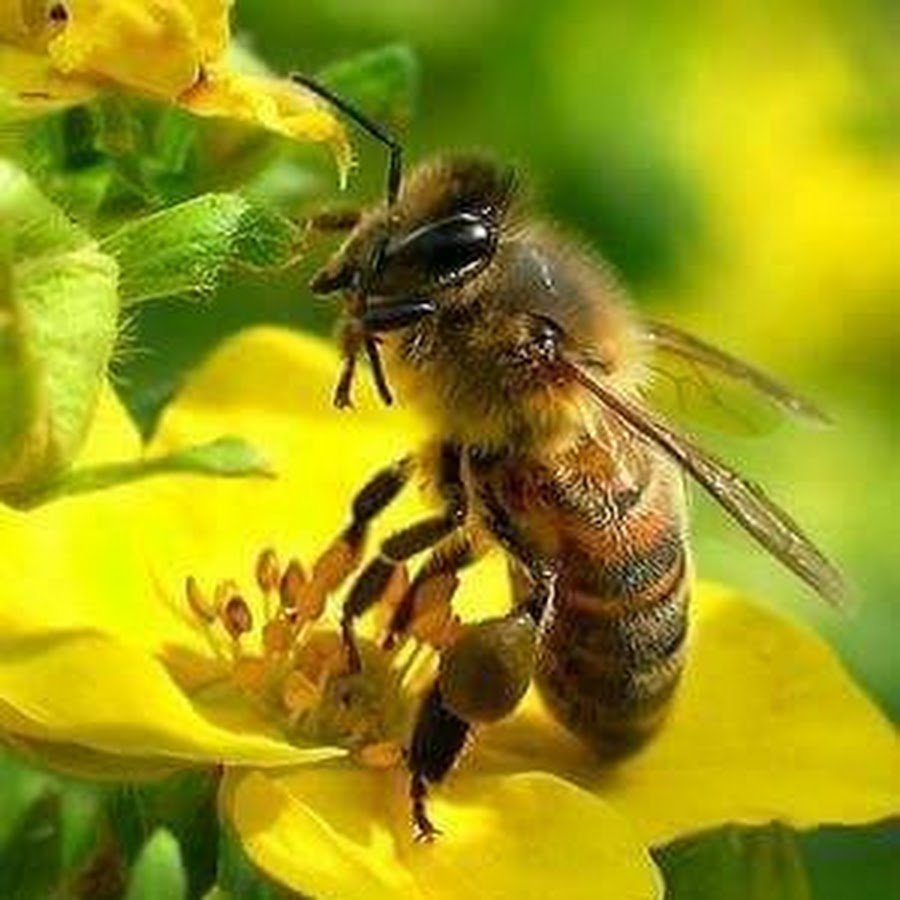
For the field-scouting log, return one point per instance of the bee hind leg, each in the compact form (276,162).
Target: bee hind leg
(438,738)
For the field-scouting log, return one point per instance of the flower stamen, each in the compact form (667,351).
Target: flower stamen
(289,657)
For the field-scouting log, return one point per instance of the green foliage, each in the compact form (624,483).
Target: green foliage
(158,870)
(184,806)
(737,864)
(50,830)
(60,311)
(187,249)
(383,82)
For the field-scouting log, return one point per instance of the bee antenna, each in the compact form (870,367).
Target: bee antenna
(395,150)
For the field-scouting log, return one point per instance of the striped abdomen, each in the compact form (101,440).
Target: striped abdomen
(612,644)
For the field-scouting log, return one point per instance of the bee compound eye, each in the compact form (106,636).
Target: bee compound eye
(485,673)
(442,252)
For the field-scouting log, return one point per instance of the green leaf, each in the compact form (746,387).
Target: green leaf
(383,82)
(20,789)
(736,863)
(58,320)
(49,829)
(159,871)
(30,863)
(186,249)
(225,457)
(185,804)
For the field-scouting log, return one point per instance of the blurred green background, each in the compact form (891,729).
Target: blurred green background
(738,163)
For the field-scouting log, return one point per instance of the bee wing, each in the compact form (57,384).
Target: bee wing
(702,374)
(744,500)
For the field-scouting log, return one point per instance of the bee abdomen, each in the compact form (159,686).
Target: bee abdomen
(609,662)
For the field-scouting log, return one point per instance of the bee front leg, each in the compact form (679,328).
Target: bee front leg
(336,564)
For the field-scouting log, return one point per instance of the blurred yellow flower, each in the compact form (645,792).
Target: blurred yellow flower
(104,671)
(56,54)
(803,207)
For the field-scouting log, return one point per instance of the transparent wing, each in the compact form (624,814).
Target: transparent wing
(744,500)
(697,382)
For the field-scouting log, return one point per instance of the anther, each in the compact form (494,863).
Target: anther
(197,601)
(236,616)
(291,584)
(383,755)
(268,574)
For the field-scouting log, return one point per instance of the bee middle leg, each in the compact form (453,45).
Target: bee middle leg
(374,581)
(428,599)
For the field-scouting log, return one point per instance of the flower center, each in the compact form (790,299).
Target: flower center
(284,650)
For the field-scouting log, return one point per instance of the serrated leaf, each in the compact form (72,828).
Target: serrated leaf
(225,457)
(159,870)
(382,82)
(185,250)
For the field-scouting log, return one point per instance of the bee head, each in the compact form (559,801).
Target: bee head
(440,232)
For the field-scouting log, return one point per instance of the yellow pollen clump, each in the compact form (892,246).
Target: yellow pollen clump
(290,658)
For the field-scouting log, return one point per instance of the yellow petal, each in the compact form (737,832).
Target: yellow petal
(81,562)
(89,690)
(151,46)
(213,28)
(767,726)
(82,762)
(273,388)
(271,103)
(344,832)
(30,84)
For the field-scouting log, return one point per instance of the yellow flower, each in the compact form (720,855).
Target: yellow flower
(104,669)
(55,54)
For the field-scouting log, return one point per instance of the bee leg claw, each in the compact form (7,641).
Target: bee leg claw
(424,831)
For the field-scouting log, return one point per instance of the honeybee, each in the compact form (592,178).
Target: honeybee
(525,355)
